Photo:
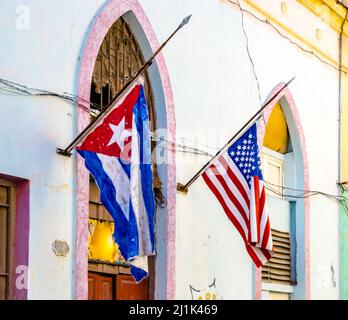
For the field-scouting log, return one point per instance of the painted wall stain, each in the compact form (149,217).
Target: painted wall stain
(205,293)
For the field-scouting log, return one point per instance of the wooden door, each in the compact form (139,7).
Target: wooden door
(128,289)
(119,287)
(100,287)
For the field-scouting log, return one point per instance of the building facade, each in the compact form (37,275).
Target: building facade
(230,59)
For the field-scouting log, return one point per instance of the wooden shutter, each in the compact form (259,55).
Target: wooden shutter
(7,224)
(278,269)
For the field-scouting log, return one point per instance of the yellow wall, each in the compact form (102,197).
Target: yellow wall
(344,116)
(344,178)
(317,33)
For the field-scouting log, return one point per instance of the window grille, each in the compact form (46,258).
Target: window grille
(118,60)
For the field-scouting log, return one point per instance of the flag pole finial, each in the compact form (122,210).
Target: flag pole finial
(185,21)
(181,188)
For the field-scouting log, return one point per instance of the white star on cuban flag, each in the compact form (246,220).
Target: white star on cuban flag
(120,134)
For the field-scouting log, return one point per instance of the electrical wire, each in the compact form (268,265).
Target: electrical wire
(19,89)
(199,143)
(250,58)
(302,194)
(16,88)
(11,91)
(184,148)
(248,52)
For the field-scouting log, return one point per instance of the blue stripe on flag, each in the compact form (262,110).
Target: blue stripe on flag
(138,273)
(126,232)
(125,166)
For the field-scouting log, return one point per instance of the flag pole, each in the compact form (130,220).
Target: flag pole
(184,188)
(143,68)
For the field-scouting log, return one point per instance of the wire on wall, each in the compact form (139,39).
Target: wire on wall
(250,57)
(179,147)
(16,88)
(285,37)
(22,90)
(302,194)
(248,52)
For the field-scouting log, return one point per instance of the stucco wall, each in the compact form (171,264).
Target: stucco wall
(219,92)
(43,54)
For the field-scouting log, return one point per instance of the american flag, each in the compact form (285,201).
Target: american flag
(236,180)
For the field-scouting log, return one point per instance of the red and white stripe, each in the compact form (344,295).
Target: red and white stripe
(245,206)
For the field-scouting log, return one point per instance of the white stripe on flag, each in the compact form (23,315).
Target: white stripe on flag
(119,179)
(138,200)
(237,172)
(259,254)
(228,202)
(252,214)
(141,263)
(232,187)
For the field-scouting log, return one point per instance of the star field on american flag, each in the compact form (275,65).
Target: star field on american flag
(246,158)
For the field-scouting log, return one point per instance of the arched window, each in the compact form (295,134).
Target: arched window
(118,60)
(278,275)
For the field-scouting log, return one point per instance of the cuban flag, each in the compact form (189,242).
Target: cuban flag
(117,152)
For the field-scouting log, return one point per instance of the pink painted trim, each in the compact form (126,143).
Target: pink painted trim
(21,245)
(102,23)
(261,132)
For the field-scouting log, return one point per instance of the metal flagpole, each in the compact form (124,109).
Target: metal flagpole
(85,132)
(184,188)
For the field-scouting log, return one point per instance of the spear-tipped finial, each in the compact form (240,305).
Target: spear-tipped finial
(290,81)
(185,21)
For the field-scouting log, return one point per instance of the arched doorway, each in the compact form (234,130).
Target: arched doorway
(286,167)
(136,25)
(119,58)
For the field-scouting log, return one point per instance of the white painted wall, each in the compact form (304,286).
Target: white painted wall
(214,89)
(43,56)
(214,93)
